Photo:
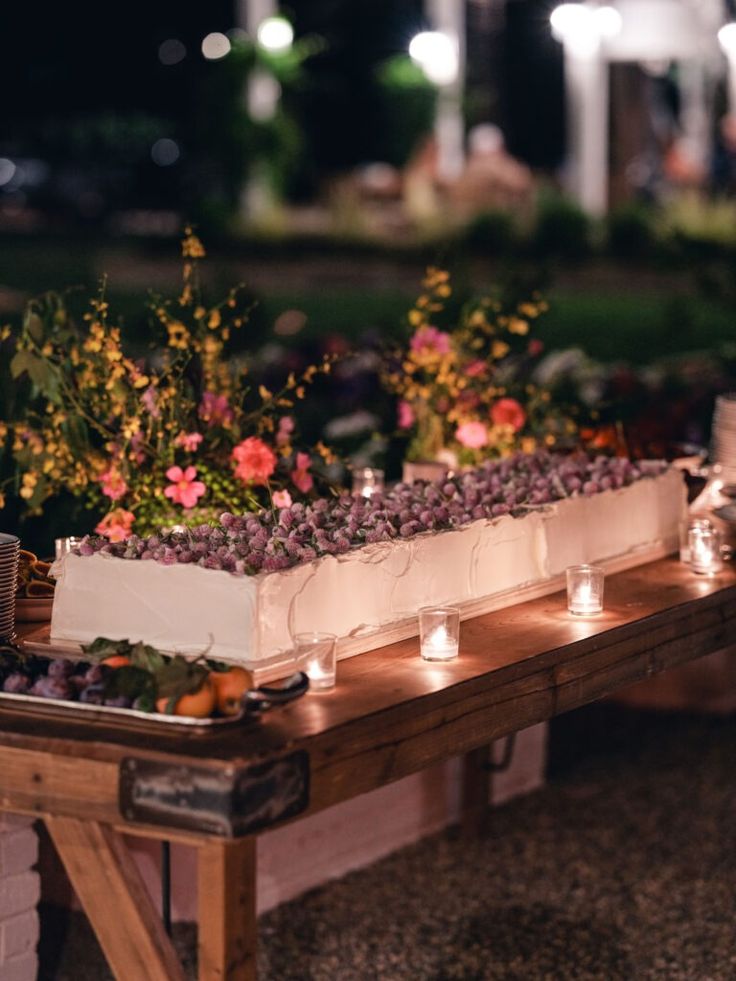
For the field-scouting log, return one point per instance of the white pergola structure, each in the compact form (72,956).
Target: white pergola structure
(594,35)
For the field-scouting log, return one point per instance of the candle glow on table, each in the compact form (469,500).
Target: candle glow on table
(367,481)
(64,545)
(585,590)
(685,528)
(316,655)
(439,633)
(704,542)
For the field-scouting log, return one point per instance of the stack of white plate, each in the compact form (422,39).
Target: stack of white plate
(9,549)
(723,443)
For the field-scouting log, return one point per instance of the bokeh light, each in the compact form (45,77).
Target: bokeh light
(165,152)
(727,38)
(215,46)
(437,55)
(275,34)
(171,51)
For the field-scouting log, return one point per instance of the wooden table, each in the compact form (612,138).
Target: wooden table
(390,715)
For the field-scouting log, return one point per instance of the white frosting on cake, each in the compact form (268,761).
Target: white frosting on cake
(359,594)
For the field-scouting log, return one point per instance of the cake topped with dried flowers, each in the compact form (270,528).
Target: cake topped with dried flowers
(360,568)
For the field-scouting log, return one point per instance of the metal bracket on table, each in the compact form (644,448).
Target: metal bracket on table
(508,755)
(228,802)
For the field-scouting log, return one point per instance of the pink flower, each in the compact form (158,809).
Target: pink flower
(429,340)
(405,415)
(184,489)
(113,484)
(255,460)
(282,499)
(189,441)
(472,435)
(301,477)
(535,347)
(475,369)
(215,410)
(508,412)
(136,447)
(116,525)
(149,402)
(286,428)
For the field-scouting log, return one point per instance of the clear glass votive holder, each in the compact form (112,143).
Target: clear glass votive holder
(64,545)
(316,655)
(685,527)
(367,481)
(585,590)
(705,545)
(439,633)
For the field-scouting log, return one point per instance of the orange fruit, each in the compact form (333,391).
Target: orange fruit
(230,686)
(199,704)
(116,661)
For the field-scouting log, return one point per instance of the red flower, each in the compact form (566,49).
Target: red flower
(255,461)
(116,525)
(508,412)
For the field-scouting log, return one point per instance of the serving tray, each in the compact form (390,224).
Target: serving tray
(254,703)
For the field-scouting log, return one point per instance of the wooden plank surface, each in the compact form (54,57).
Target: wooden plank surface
(392,714)
(114,897)
(226,886)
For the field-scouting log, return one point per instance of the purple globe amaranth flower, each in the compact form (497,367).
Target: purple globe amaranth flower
(257,542)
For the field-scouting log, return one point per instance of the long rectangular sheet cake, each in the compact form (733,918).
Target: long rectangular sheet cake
(368,596)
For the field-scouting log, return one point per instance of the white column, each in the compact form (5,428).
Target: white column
(586,84)
(262,97)
(694,113)
(448,16)
(731,83)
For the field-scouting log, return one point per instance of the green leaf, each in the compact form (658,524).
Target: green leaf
(34,325)
(146,657)
(102,647)
(129,681)
(21,363)
(179,677)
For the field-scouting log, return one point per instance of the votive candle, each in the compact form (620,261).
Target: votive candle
(316,655)
(585,589)
(705,544)
(64,545)
(367,481)
(439,633)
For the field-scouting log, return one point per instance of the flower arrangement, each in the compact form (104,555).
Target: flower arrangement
(465,393)
(269,541)
(174,437)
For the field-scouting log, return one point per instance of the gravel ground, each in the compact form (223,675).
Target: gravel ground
(623,867)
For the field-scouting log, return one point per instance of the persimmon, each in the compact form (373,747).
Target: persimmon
(199,704)
(116,661)
(230,686)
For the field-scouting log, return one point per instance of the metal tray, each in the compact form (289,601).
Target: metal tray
(254,703)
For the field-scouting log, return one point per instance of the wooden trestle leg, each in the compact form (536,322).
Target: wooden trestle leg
(476,789)
(115,899)
(227,910)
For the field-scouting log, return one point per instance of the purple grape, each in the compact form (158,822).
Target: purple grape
(60,668)
(17,683)
(48,687)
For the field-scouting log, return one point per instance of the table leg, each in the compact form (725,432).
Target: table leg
(115,899)
(476,790)
(227,910)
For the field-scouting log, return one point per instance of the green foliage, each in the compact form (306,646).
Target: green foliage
(492,233)
(563,230)
(631,231)
(407,108)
